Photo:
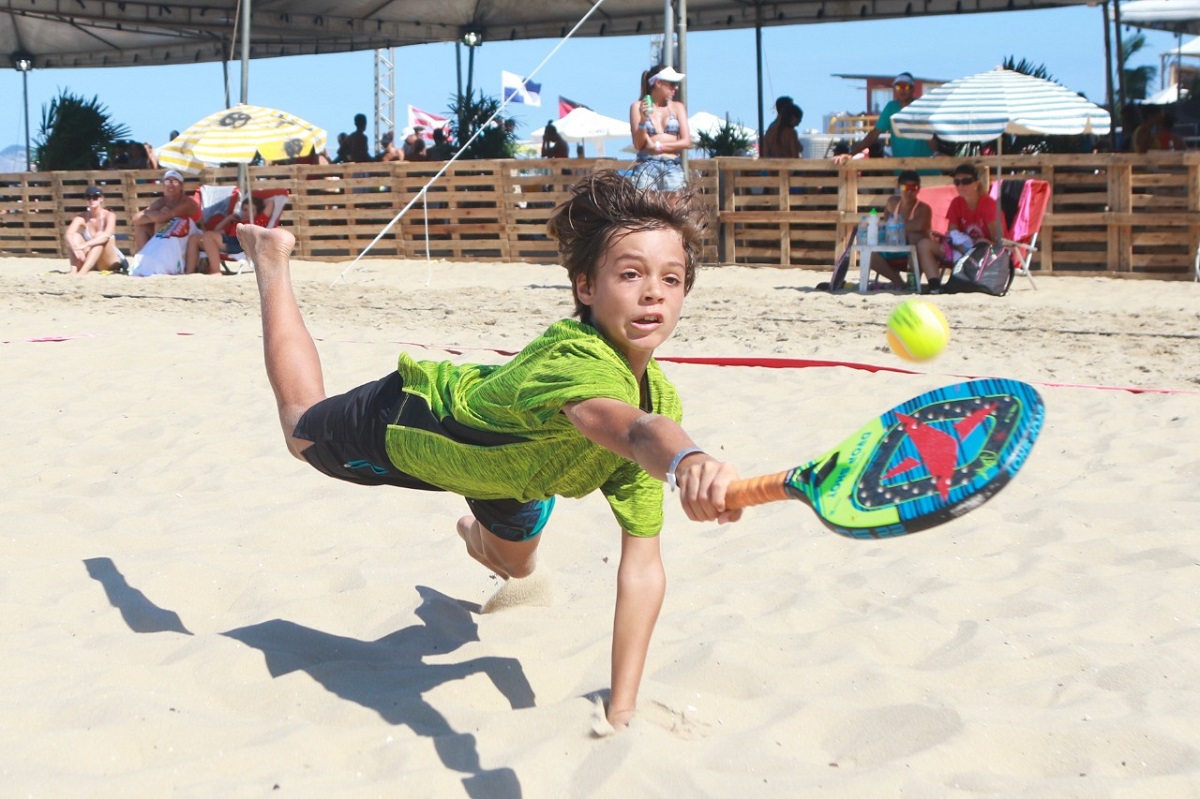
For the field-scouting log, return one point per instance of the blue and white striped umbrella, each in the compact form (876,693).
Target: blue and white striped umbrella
(984,106)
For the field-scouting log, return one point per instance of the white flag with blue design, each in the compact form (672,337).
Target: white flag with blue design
(514,89)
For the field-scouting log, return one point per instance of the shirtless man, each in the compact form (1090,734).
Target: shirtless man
(173,203)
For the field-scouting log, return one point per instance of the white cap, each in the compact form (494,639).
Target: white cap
(173,173)
(407,132)
(669,75)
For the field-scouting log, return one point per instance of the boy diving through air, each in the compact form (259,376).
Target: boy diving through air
(583,407)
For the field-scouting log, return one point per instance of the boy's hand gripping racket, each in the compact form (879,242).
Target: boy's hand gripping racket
(924,462)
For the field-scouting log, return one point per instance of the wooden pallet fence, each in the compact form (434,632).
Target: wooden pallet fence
(1110,214)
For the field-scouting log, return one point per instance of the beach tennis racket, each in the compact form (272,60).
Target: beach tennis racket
(923,463)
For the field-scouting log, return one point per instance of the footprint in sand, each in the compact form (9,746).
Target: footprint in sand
(673,721)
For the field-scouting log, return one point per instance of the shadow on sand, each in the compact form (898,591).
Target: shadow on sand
(388,676)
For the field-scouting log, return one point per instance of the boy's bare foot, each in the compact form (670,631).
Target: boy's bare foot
(266,247)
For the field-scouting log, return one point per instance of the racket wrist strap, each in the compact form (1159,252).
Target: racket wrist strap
(679,456)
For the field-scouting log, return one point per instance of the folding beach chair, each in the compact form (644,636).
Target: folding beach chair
(218,201)
(938,198)
(274,201)
(1021,229)
(214,201)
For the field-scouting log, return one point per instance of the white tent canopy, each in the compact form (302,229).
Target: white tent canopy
(1189,48)
(1166,96)
(1177,16)
(88,33)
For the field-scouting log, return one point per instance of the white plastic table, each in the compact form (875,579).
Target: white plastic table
(863,253)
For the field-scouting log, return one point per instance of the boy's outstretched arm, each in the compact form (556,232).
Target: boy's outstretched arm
(653,441)
(641,585)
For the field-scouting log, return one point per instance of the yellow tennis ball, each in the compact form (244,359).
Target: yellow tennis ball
(917,330)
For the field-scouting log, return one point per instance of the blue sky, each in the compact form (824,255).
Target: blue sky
(602,73)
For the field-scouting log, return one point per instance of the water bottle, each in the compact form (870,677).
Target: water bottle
(895,230)
(873,228)
(862,231)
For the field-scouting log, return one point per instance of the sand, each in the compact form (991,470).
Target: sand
(187,611)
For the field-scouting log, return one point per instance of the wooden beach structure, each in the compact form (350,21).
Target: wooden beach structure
(1111,214)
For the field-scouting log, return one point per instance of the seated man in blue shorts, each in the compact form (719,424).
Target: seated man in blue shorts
(584,407)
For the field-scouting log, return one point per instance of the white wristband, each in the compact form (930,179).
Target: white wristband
(679,456)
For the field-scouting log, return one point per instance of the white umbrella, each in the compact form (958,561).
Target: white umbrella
(1171,94)
(985,106)
(585,125)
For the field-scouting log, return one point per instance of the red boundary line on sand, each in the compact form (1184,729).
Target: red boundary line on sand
(761,362)
(809,363)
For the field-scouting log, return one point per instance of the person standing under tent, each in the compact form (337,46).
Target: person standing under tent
(553,144)
(780,139)
(902,95)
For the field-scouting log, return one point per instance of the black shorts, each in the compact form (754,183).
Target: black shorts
(349,432)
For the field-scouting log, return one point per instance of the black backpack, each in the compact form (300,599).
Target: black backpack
(982,268)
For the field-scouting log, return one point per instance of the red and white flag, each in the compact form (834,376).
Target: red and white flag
(427,122)
(566,106)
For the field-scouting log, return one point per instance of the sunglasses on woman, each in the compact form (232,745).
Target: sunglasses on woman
(964,181)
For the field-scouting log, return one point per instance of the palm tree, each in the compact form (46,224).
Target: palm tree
(498,140)
(1137,79)
(75,132)
(1027,67)
(729,139)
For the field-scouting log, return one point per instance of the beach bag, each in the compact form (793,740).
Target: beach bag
(983,268)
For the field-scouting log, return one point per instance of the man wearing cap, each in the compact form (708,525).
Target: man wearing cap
(91,237)
(173,204)
(413,151)
(902,93)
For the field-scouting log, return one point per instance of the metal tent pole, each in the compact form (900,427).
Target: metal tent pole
(243,171)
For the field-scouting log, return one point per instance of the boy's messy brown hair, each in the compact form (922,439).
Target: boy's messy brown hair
(606,205)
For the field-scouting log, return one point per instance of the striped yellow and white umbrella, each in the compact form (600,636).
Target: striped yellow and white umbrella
(236,135)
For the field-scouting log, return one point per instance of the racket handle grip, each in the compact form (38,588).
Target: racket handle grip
(756,491)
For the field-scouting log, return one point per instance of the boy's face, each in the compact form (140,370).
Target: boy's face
(638,290)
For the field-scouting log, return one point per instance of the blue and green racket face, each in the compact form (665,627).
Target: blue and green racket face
(924,462)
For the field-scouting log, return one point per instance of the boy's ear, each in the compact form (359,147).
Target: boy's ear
(583,289)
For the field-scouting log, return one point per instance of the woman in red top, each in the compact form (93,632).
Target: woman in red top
(222,238)
(972,213)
